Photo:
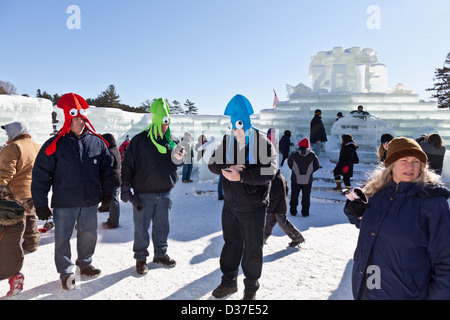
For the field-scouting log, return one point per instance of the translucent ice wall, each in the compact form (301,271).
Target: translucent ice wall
(36,113)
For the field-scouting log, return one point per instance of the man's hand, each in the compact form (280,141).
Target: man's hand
(43,213)
(179,155)
(126,195)
(233,172)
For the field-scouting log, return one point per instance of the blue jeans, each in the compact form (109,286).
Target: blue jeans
(65,219)
(114,208)
(155,208)
(317,147)
(187,170)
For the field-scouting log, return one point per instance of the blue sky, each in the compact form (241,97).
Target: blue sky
(209,50)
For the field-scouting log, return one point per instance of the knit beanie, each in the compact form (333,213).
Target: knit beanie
(318,112)
(304,143)
(387,137)
(404,147)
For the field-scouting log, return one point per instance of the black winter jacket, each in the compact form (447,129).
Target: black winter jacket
(79,172)
(278,193)
(145,169)
(115,158)
(252,192)
(347,157)
(317,130)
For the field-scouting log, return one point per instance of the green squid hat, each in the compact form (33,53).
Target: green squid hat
(161,112)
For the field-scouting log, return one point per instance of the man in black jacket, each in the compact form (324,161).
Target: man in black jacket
(150,169)
(247,161)
(76,165)
(318,134)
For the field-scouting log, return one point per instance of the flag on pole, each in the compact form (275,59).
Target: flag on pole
(275,100)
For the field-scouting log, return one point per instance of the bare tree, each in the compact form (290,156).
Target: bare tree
(7,87)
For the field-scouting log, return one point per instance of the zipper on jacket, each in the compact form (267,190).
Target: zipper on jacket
(395,191)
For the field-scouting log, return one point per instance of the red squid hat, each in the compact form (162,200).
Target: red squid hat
(73,106)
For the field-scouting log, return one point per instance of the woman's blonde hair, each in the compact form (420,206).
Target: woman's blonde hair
(381,177)
(380,153)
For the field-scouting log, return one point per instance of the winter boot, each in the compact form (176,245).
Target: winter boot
(16,284)
(141,267)
(249,295)
(68,282)
(297,241)
(338,185)
(165,261)
(222,291)
(90,271)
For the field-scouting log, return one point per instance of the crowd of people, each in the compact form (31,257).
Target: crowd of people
(404,199)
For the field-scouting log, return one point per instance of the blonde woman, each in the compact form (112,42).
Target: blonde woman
(402,212)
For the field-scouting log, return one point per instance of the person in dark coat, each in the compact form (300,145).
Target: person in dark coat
(303,164)
(247,161)
(149,173)
(114,206)
(285,146)
(403,250)
(435,149)
(76,165)
(347,158)
(383,147)
(318,135)
(276,212)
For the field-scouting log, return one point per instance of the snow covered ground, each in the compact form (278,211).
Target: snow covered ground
(319,270)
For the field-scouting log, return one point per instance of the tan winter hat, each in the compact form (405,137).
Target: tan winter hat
(404,147)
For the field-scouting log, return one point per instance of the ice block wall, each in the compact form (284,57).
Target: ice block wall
(34,112)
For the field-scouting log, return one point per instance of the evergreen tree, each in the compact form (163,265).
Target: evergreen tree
(442,84)
(55,99)
(108,98)
(44,95)
(176,108)
(146,104)
(190,107)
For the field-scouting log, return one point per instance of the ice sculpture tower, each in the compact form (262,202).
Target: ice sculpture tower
(353,70)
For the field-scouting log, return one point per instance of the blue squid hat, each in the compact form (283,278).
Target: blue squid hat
(240,110)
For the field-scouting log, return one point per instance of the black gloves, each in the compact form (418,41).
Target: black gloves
(357,203)
(126,195)
(106,200)
(43,213)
